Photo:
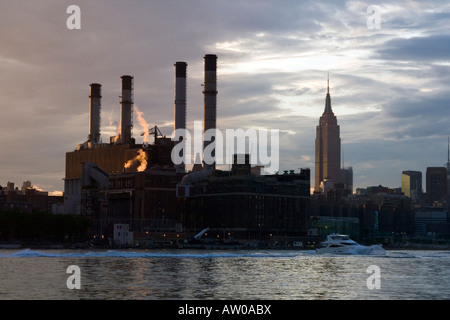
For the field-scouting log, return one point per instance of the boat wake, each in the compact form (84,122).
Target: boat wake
(375,249)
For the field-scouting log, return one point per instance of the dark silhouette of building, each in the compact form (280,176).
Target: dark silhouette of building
(436,184)
(28,199)
(447,166)
(146,201)
(347,178)
(247,206)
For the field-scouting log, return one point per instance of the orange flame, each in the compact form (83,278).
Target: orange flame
(142,158)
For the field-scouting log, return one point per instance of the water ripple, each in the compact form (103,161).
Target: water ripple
(237,275)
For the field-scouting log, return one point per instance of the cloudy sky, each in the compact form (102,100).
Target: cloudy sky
(389,85)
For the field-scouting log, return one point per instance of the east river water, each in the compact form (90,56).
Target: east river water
(222,275)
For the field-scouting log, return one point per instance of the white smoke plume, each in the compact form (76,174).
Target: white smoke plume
(144,124)
(115,124)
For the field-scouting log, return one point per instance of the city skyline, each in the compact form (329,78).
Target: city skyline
(388,84)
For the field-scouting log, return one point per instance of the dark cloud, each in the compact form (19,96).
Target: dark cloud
(381,161)
(419,49)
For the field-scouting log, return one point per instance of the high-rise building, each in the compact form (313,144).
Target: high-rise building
(448,171)
(347,178)
(436,184)
(328,147)
(412,185)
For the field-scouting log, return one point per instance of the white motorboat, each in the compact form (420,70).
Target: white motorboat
(342,244)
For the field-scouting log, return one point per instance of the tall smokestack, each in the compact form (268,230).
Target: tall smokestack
(180,102)
(94,121)
(126,103)
(210,97)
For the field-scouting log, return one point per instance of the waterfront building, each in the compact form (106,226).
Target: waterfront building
(146,201)
(28,200)
(431,222)
(242,205)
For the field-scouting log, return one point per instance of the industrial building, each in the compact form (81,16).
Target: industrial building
(101,178)
(137,187)
(239,204)
(93,161)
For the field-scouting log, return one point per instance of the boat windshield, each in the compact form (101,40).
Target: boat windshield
(340,237)
(349,243)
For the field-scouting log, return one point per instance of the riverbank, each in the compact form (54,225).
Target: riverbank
(63,246)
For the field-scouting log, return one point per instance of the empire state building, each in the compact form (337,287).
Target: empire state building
(328,147)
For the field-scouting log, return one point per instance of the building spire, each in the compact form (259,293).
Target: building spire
(328,87)
(328,99)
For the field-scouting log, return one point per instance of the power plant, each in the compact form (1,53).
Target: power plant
(93,162)
(140,188)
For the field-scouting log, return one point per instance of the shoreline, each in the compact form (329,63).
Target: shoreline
(20,246)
